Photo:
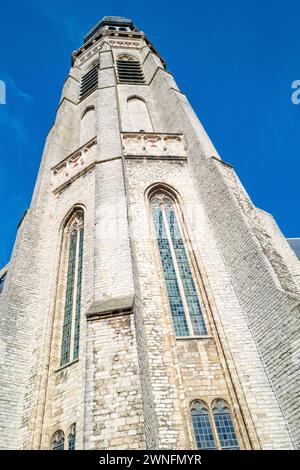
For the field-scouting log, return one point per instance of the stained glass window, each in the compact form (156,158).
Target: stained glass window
(58,441)
(224,425)
(223,435)
(78,297)
(74,234)
(72,437)
(182,293)
(202,426)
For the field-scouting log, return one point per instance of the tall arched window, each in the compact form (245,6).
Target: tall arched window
(213,428)
(72,437)
(224,425)
(139,115)
(182,293)
(58,441)
(73,243)
(88,125)
(202,425)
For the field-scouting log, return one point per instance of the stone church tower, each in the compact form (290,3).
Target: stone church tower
(148,304)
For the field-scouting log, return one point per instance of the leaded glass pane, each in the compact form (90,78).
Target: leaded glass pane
(224,426)
(58,441)
(190,292)
(175,301)
(67,326)
(202,427)
(78,297)
(72,438)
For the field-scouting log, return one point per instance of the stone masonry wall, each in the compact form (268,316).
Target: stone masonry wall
(226,364)
(134,381)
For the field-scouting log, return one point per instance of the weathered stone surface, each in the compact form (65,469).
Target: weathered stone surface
(133,383)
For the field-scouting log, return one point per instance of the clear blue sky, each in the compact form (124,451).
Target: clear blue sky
(235,61)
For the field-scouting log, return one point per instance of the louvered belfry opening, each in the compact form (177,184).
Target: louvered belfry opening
(89,82)
(130,70)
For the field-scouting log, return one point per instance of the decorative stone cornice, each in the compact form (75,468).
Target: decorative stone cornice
(115,39)
(152,144)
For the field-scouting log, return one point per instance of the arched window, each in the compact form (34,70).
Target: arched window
(213,428)
(139,115)
(129,70)
(202,425)
(72,437)
(224,425)
(88,125)
(58,441)
(73,243)
(182,293)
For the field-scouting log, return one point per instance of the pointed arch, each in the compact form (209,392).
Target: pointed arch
(78,207)
(88,128)
(72,257)
(213,426)
(139,115)
(86,110)
(127,57)
(224,424)
(72,437)
(180,281)
(58,441)
(202,425)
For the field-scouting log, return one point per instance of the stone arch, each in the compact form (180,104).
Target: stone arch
(76,208)
(127,57)
(88,128)
(70,280)
(58,440)
(139,116)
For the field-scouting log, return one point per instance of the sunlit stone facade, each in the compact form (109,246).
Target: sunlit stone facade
(148,304)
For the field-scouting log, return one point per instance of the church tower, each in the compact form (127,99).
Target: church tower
(148,304)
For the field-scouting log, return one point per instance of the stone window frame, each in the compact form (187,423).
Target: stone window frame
(72,437)
(160,188)
(211,413)
(58,440)
(75,220)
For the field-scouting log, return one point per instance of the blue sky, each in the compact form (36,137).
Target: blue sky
(235,61)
